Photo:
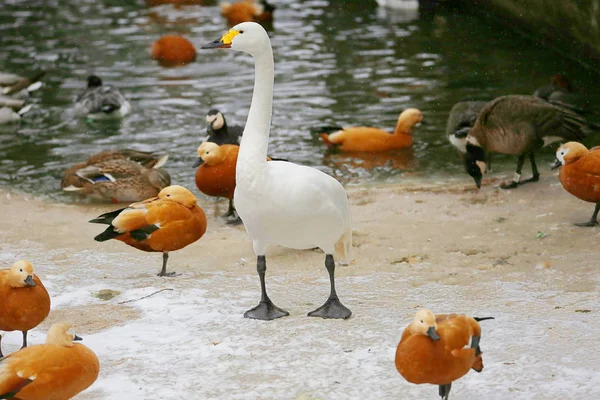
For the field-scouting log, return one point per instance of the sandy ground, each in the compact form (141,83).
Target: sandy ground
(514,255)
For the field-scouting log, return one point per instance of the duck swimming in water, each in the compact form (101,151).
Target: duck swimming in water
(99,101)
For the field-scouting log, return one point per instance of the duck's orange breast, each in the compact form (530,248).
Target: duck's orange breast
(217,180)
(422,360)
(369,140)
(60,372)
(22,309)
(582,177)
(179,227)
(172,50)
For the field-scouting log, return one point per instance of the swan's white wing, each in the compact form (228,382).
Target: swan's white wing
(293,206)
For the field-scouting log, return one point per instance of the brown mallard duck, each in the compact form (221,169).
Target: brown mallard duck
(118,176)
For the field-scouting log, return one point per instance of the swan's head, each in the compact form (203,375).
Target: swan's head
(249,37)
(215,119)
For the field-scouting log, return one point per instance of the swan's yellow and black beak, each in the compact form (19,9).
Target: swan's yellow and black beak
(224,42)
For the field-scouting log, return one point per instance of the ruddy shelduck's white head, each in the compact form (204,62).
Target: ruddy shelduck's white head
(20,275)
(249,37)
(210,154)
(424,324)
(568,153)
(59,335)
(178,194)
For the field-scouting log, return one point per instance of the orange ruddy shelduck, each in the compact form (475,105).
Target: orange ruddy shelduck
(57,370)
(247,11)
(580,174)
(165,223)
(216,171)
(433,349)
(24,301)
(173,50)
(374,139)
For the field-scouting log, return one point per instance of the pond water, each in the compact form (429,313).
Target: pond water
(337,62)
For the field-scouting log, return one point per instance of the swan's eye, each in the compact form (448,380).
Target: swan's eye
(422,321)
(241,31)
(168,195)
(21,270)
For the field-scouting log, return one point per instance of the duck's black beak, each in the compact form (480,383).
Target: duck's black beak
(217,44)
(556,164)
(76,338)
(198,162)
(478,182)
(432,333)
(29,281)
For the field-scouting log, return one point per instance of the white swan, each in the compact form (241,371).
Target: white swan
(279,202)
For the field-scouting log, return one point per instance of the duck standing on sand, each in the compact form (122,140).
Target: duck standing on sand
(165,223)
(365,139)
(519,125)
(580,174)
(215,175)
(100,101)
(56,370)
(282,203)
(24,301)
(435,349)
(218,130)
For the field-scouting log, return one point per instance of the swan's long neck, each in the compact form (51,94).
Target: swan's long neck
(255,140)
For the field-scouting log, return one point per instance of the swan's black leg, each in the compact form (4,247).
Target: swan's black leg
(265,310)
(230,210)
(333,307)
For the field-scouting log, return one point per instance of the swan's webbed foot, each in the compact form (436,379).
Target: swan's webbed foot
(236,221)
(266,311)
(333,308)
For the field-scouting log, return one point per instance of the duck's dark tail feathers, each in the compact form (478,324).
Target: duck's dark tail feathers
(106,218)
(482,318)
(108,234)
(317,130)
